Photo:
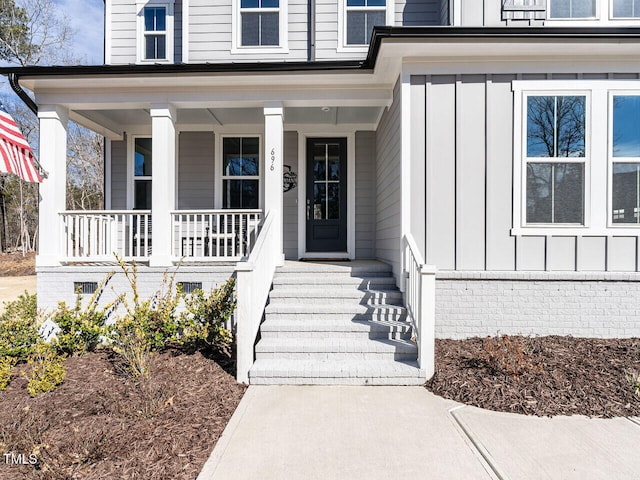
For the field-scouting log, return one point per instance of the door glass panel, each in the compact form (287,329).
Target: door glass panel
(319,201)
(319,170)
(333,201)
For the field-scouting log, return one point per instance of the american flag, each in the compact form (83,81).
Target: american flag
(16,155)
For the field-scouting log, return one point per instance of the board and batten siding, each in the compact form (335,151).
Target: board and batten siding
(195,170)
(290,199)
(388,184)
(469,184)
(211,29)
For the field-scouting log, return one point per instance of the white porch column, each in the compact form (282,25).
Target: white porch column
(273,145)
(53,190)
(163,182)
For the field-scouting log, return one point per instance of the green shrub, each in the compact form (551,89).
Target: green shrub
(19,327)
(6,364)
(147,324)
(206,316)
(47,369)
(81,328)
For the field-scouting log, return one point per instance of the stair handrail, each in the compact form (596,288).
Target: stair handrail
(254,277)
(419,287)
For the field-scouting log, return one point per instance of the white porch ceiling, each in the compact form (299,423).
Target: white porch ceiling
(121,120)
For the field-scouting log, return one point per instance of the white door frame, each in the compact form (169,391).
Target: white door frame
(337,132)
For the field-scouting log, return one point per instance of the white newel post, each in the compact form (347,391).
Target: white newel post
(53,189)
(163,191)
(427,332)
(273,145)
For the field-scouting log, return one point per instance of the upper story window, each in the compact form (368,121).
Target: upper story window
(626,9)
(155,31)
(259,23)
(625,158)
(572,8)
(361,16)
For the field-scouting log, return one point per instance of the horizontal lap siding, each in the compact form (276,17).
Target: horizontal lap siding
(388,153)
(195,170)
(211,29)
(290,198)
(119,175)
(469,184)
(123,31)
(365,194)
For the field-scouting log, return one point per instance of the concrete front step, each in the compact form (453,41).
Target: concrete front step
(377,282)
(302,293)
(283,327)
(350,372)
(355,310)
(335,349)
(359,268)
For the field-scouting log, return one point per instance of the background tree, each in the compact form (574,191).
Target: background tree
(36,32)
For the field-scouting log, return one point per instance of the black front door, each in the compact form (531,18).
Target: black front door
(326,195)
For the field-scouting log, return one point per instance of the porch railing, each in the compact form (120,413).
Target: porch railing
(98,235)
(201,235)
(419,298)
(253,283)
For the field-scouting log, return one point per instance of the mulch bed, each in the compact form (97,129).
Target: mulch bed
(542,376)
(99,424)
(17,265)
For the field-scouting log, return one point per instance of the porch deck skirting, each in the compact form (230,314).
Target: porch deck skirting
(597,304)
(57,283)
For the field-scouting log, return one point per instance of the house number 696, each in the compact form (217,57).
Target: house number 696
(273,159)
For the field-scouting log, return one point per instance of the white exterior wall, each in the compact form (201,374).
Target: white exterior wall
(388,185)
(596,305)
(122,27)
(469,184)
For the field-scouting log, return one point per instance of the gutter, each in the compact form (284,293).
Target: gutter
(14,81)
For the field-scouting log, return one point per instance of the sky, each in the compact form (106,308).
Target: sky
(87,20)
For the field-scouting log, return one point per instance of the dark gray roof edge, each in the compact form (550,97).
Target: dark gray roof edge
(379,34)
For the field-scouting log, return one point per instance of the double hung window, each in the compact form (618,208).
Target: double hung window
(259,23)
(572,8)
(155,33)
(577,157)
(142,166)
(555,159)
(361,16)
(626,9)
(625,158)
(241,172)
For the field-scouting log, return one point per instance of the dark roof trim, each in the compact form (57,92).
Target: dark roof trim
(28,101)
(379,35)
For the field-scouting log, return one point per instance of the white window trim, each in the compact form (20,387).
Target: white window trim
(597,202)
(219,170)
(611,159)
(283,30)
(131,169)
(342,26)
(170,32)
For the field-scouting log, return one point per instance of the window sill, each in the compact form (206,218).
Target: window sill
(551,231)
(352,48)
(259,50)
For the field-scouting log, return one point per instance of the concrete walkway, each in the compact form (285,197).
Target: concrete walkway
(12,287)
(288,432)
